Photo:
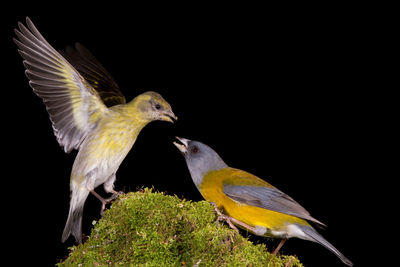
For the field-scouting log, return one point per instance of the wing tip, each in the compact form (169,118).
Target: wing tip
(30,24)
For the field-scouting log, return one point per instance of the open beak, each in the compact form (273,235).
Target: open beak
(168,115)
(183,145)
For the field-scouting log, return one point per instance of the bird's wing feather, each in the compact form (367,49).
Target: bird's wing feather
(95,74)
(73,105)
(243,189)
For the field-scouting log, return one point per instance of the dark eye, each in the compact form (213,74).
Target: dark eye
(195,149)
(157,106)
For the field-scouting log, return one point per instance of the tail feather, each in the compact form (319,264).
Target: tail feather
(316,237)
(74,221)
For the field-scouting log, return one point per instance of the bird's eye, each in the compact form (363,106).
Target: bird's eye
(157,106)
(195,150)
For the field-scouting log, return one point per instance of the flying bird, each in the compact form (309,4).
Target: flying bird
(88,113)
(248,201)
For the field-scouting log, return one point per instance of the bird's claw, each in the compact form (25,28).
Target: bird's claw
(115,194)
(228,220)
(231,220)
(106,201)
(222,217)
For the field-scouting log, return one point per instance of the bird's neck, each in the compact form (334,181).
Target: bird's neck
(131,113)
(199,169)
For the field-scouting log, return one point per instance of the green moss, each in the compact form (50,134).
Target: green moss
(153,229)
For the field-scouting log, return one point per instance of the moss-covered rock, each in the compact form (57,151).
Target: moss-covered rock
(153,229)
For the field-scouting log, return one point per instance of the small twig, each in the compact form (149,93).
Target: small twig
(197,263)
(289,263)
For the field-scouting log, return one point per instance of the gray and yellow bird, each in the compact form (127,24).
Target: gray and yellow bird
(248,201)
(88,113)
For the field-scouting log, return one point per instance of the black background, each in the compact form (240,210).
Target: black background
(277,95)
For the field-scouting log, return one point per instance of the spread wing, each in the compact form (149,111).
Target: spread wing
(95,74)
(243,190)
(73,105)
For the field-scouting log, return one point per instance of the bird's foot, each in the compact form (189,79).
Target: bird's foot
(231,221)
(228,220)
(105,201)
(222,217)
(115,194)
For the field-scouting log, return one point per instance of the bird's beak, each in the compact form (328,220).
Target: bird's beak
(168,115)
(183,146)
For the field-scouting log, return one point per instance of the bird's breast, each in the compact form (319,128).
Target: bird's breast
(112,142)
(106,147)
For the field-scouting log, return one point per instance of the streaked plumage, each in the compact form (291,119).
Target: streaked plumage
(73,86)
(247,200)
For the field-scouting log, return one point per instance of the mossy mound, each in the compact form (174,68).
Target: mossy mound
(153,229)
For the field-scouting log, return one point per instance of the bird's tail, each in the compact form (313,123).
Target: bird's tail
(316,237)
(74,221)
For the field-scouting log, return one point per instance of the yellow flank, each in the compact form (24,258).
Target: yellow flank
(212,190)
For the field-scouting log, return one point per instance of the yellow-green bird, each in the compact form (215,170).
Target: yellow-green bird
(75,92)
(248,201)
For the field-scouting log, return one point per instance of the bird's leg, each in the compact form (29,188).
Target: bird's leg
(242,224)
(109,188)
(103,201)
(231,220)
(223,217)
(279,246)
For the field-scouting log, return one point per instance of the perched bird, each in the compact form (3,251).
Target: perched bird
(75,93)
(248,201)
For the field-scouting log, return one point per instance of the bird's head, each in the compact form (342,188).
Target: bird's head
(200,158)
(152,106)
